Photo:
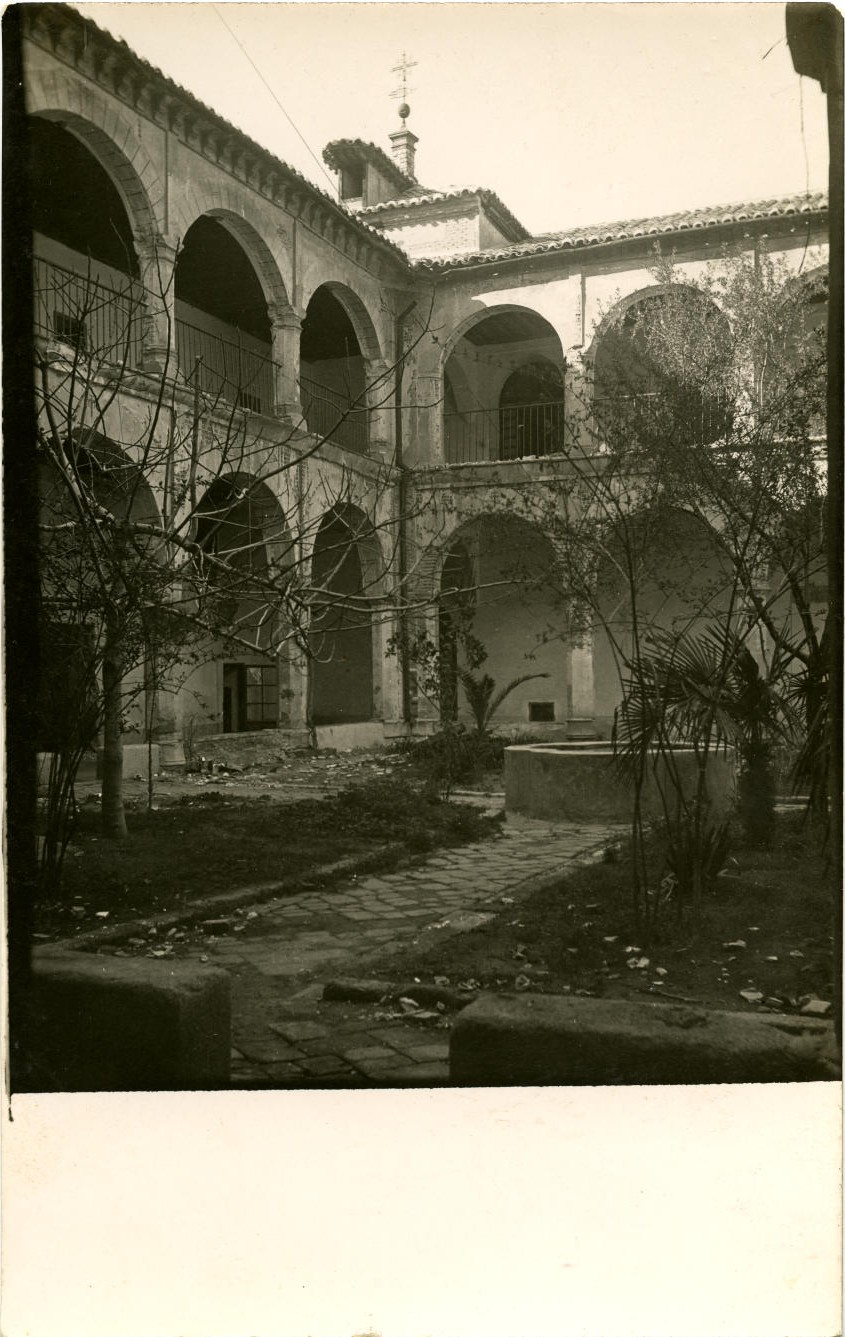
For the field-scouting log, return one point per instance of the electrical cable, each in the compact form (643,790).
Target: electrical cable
(273,95)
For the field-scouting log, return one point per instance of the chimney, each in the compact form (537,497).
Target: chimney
(403,142)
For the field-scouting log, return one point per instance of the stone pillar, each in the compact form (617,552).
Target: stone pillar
(168,728)
(286,327)
(157,265)
(580,430)
(295,704)
(581,717)
(380,390)
(428,425)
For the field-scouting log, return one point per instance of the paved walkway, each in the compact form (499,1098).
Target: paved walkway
(285,1035)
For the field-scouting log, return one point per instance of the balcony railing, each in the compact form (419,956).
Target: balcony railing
(517,432)
(692,419)
(328,414)
(224,369)
(101,322)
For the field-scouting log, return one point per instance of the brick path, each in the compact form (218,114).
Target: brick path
(284,1034)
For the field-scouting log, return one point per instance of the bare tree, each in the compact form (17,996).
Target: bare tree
(174,522)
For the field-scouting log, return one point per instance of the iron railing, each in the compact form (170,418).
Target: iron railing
(517,432)
(103,323)
(692,418)
(224,369)
(328,413)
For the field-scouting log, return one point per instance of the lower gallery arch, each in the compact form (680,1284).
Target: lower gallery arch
(244,684)
(344,577)
(72,612)
(498,587)
(682,580)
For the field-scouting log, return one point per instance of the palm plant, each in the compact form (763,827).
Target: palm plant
(479,693)
(701,691)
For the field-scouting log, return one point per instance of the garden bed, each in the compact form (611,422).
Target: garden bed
(208,844)
(764,939)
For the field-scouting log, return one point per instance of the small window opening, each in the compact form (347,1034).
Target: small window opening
(541,712)
(351,183)
(69,329)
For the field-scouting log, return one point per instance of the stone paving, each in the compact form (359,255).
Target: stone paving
(285,1035)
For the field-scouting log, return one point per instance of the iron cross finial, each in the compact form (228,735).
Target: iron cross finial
(401,68)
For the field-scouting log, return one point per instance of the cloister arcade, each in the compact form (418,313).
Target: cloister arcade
(391,427)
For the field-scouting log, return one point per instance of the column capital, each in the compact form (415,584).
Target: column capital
(283,317)
(156,246)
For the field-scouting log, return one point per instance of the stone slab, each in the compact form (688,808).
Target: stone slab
(102,1023)
(561,1041)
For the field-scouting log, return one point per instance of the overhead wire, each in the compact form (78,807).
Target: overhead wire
(276,99)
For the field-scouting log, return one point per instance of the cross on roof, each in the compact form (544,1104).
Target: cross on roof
(402,68)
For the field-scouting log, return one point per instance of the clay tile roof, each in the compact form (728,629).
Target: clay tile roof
(58,14)
(489,199)
(782,207)
(342,153)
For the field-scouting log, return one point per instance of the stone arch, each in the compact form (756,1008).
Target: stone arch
(264,514)
(231,209)
(69,663)
(462,329)
(358,313)
(514,609)
(347,574)
(630,390)
(362,532)
(109,136)
(684,580)
(617,312)
(478,362)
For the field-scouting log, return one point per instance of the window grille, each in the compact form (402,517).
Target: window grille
(69,329)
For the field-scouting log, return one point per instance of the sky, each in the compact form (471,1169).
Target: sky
(572,113)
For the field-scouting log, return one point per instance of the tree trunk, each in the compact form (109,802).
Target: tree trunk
(111,810)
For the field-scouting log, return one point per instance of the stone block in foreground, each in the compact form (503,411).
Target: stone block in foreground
(560,1041)
(103,1023)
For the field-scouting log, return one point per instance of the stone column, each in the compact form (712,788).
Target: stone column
(168,730)
(581,718)
(380,392)
(427,433)
(294,708)
(157,266)
(580,429)
(286,327)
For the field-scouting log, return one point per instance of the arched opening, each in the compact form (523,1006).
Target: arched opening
(80,625)
(497,591)
(794,374)
(332,373)
(531,412)
(223,332)
(341,638)
(84,259)
(682,580)
(241,523)
(654,370)
(503,390)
